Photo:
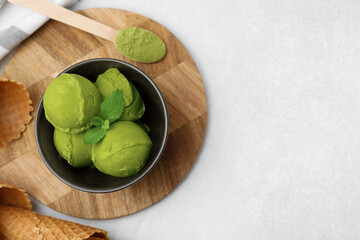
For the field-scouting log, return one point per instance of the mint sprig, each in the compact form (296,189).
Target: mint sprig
(93,135)
(111,110)
(106,125)
(96,121)
(113,106)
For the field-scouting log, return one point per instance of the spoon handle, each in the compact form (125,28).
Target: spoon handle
(69,17)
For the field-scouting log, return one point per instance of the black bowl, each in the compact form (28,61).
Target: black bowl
(90,179)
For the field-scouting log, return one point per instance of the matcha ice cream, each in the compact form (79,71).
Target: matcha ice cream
(70,101)
(140,45)
(136,109)
(72,149)
(111,80)
(123,151)
(92,132)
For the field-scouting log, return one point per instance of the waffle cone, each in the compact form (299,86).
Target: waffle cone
(23,224)
(19,222)
(13,196)
(54,228)
(15,108)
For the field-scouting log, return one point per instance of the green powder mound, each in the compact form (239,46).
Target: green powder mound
(140,45)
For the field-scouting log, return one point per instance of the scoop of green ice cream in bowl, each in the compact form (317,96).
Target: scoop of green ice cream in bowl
(101,125)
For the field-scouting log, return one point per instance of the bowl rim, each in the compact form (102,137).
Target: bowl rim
(158,155)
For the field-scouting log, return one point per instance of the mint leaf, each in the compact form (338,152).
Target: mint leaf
(96,121)
(110,110)
(93,135)
(105,125)
(113,106)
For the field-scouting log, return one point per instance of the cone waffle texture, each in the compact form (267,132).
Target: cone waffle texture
(15,109)
(13,196)
(19,222)
(53,228)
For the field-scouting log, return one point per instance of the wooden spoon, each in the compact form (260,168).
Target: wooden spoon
(76,20)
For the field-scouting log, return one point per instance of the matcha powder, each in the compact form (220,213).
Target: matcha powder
(140,45)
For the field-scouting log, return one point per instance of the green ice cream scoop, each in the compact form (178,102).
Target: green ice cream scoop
(70,101)
(72,149)
(123,151)
(136,109)
(111,80)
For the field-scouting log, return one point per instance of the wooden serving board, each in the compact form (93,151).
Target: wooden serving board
(53,48)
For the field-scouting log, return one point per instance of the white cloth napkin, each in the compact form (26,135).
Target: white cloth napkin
(15,33)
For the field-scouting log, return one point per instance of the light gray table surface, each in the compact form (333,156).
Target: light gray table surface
(281,156)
